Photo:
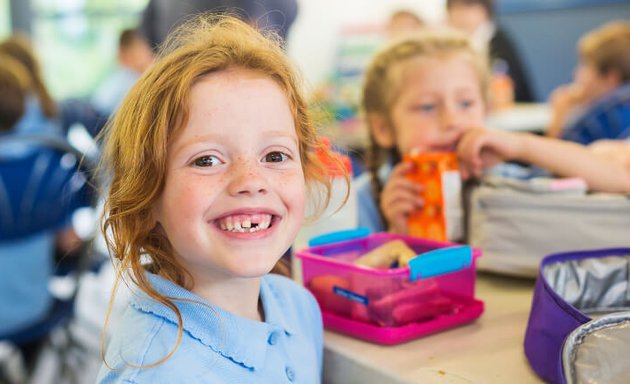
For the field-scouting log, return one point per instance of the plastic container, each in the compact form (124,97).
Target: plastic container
(389,306)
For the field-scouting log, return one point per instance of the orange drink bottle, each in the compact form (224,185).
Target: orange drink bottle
(440,217)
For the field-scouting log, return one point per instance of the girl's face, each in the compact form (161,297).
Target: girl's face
(234,194)
(439,99)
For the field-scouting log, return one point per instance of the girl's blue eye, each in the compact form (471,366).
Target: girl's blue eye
(276,157)
(466,103)
(426,107)
(207,161)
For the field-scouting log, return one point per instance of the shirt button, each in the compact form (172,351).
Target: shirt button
(290,374)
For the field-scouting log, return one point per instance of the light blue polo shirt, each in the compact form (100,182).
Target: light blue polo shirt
(217,346)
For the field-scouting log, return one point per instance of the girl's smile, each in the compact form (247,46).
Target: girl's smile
(246,222)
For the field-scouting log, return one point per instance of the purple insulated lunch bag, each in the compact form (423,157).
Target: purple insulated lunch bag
(579,324)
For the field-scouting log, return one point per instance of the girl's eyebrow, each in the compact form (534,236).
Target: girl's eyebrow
(211,137)
(468,89)
(194,140)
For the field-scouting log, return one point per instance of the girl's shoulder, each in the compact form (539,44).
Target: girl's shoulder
(288,292)
(289,303)
(284,287)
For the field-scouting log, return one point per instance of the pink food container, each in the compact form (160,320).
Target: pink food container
(389,306)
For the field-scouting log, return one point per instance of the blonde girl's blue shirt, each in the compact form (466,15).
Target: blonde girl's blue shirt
(367,209)
(217,346)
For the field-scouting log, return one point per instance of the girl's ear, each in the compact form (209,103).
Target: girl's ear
(381,130)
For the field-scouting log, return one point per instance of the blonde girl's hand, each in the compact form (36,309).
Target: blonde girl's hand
(480,148)
(400,197)
(617,151)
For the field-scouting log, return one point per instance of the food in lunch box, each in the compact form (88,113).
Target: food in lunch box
(386,255)
(415,302)
(324,289)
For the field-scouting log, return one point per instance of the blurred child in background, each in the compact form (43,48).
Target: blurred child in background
(41,113)
(36,202)
(24,269)
(210,157)
(510,81)
(596,105)
(420,94)
(134,57)
(40,117)
(403,22)
(602,87)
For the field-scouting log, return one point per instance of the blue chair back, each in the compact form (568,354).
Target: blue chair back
(43,180)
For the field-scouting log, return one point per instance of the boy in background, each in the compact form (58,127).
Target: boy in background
(597,144)
(596,105)
(134,56)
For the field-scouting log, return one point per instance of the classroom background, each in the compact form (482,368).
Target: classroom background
(72,37)
(331,42)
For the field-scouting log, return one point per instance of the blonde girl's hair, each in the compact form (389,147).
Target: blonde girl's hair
(607,48)
(382,83)
(135,146)
(20,48)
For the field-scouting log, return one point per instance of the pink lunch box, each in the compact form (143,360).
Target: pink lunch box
(389,306)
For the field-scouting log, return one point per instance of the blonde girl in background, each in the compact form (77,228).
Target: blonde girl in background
(210,157)
(420,94)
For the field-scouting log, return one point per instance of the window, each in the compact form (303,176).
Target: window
(77,40)
(5,22)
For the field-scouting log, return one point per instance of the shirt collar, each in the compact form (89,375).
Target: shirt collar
(242,340)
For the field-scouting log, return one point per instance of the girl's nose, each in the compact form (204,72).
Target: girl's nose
(449,118)
(247,178)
